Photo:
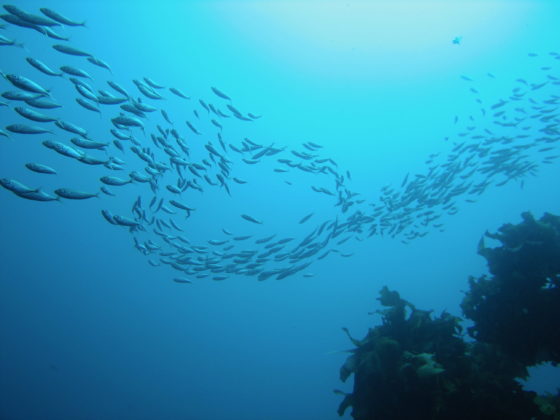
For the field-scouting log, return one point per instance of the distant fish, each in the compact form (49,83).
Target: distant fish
(74,71)
(108,216)
(99,62)
(71,194)
(26,129)
(60,18)
(40,168)
(63,149)
(87,105)
(30,18)
(9,42)
(181,280)
(178,93)
(457,40)
(194,130)
(26,84)
(114,181)
(42,67)
(16,186)
(251,219)
(33,115)
(306,218)
(71,128)
(13,95)
(67,49)
(39,196)
(88,144)
(153,84)
(16,20)
(43,103)
(219,93)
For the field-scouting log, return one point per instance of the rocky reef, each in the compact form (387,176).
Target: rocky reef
(417,365)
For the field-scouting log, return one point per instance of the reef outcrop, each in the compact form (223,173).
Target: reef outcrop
(417,365)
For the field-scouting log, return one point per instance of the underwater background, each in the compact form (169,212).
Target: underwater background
(90,330)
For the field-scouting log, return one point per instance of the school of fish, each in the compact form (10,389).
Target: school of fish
(174,158)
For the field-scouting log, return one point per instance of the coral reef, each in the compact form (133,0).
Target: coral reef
(416,365)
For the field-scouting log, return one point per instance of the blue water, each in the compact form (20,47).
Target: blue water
(89,330)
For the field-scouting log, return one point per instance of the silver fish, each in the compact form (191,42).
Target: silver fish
(7,42)
(26,84)
(178,93)
(88,144)
(220,93)
(42,67)
(60,18)
(74,71)
(28,17)
(99,62)
(67,49)
(72,128)
(63,149)
(41,102)
(251,219)
(71,194)
(33,115)
(114,181)
(26,129)
(40,168)
(16,186)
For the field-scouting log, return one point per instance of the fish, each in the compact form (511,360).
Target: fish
(146,90)
(12,95)
(178,93)
(33,115)
(181,206)
(220,94)
(16,20)
(107,192)
(52,34)
(16,187)
(60,18)
(194,130)
(30,18)
(181,280)
(99,63)
(71,128)
(87,105)
(88,144)
(67,49)
(63,149)
(42,102)
(305,218)
(42,67)
(26,129)
(251,219)
(108,216)
(110,100)
(114,181)
(153,84)
(40,168)
(39,196)
(74,71)
(124,121)
(125,221)
(72,194)
(10,42)
(118,88)
(26,84)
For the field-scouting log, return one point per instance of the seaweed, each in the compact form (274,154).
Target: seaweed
(417,365)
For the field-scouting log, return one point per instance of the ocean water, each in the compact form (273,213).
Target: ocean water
(90,330)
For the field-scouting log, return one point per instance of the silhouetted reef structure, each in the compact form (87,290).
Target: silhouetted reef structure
(417,365)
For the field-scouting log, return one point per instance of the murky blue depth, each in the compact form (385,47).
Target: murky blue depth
(280,163)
